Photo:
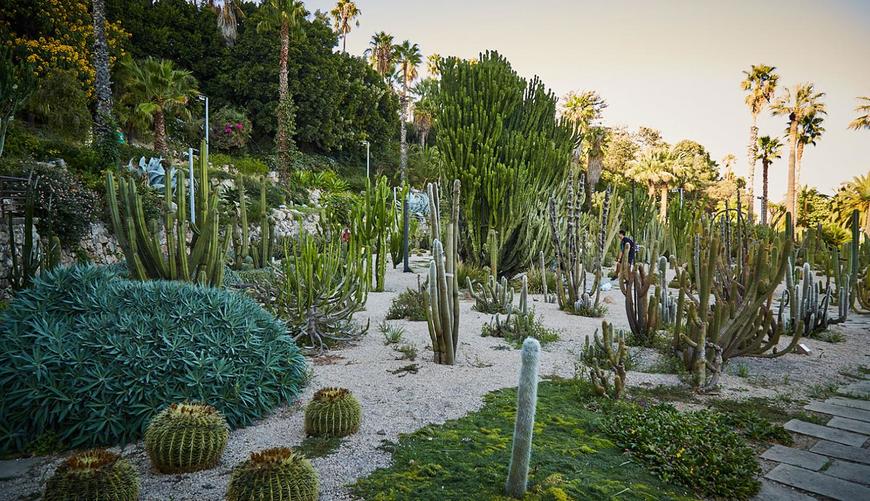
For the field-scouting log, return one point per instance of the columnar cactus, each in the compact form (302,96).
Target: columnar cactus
(606,356)
(334,412)
(570,249)
(492,296)
(94,475)
(641,308)
(527,399)
(442,297)
(249,254)
(278,474)
(186,437)
(548,298)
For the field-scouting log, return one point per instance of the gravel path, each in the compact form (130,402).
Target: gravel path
(394,404)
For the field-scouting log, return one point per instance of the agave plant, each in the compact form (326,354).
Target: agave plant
(153,171)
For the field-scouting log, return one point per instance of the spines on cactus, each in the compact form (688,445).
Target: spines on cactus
(527,398)
(278,474)
(94,475)
(491,296)
(604,357)
(186,437)
(334,412)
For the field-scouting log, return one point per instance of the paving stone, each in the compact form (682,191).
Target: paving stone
(847,424)
(840,451)
(796,457)
(14,468)
(825,433)
(772,491)
(860,388)
(839,410)
(854,472)
(850,402)
(818,483)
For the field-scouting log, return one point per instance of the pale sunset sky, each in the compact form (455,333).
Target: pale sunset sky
(672,65)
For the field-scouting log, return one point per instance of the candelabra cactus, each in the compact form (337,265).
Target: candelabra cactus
(186,437)
(570,252)
(278,474)
(527,399)
(249,254)
(334,412)
(200,260)
(94,475)
(442,297)
(606,356)
(492,296)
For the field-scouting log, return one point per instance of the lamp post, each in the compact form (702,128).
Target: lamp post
(205,98)
(368,157)
(190,184)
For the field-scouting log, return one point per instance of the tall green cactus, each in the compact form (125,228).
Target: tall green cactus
(249,254)
(199,259)
(25,266)
(527,400)
(642,308)
(442,297)
(570,250)
(604,356)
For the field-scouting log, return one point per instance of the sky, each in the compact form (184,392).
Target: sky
(672,65)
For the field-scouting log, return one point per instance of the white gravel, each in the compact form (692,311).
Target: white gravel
(394,404)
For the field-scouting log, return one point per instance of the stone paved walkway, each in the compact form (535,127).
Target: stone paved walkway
(837,465)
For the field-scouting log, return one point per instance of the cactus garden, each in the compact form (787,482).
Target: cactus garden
(266,250)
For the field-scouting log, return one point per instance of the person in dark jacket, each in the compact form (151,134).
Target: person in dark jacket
(626,245)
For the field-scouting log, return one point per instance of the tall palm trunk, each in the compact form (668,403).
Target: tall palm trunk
(797,174)
(403,166)
(102,80)
(753,153)
(160,133)
(663,203)
(281,138)
(344,42)
(764,165)
(792,160)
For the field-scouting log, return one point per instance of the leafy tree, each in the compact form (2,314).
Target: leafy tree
(760,84)
(796,104)
(814,208)
(344,14)
(693,168)
(619,152)
(655,169)
(769,149)
(582,109)
(854,195)
(159,90)
(17,81)
(60,105)
(862,121)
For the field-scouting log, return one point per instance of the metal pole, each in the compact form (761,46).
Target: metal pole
(190,184)
(206,119)
(368,144)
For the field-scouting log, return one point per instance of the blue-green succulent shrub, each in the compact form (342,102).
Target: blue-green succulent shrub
(90,357)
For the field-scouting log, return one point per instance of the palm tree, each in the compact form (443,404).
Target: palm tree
(582,109)
(433,63)
(728,161)
(655,169)
(810,130)
(863,121)
(160,90)
(382,53)
(228,16)
(760,83)
(854,195)
(796,104)
(597,139)
(408,58)
(423,118)
(104,130)
(345,13)
(768,150)
(287,15)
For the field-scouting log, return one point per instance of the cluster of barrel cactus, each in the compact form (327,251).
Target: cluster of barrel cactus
(334,412)
(94,475)
(186,437)
(442,297)
(491,296)
(279,474)
(604,357)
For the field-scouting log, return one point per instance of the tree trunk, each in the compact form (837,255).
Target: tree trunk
(160,134)
(403,136)
(753,153)
(663,203)
(283,94)
(792,160)
(344,43)
(764,165)
(4,126)
(797,174)
(103,121)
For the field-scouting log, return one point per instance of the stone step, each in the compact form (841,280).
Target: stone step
(847,424)
(860,388)
(849,402)
(840,451)
(818,483)
(14,468)
(795,457)
(853,472)
(839,410)
(772,491)
(825,433)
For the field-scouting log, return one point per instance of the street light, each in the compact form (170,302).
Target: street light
(204,97)
(190,184)
(368,145)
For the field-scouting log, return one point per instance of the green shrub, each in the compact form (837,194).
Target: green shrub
(246,165)
(91,357)
(230,130)
(697,449)
(408,305)
(515,328)
(60,105)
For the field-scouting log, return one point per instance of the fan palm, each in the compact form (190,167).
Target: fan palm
(159,90)
(854,195)
(796,104)
(863,121)
(655,169)
(408,58)
(382,54)
(810,130)
(768,150)
(228,15)
(760,84)
(344,14)
(582,109)
(288,16)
